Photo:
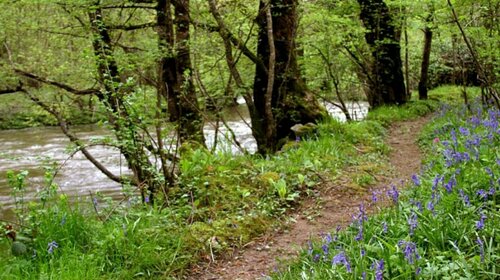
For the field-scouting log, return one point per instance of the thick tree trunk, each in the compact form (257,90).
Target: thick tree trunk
(175,69)
(424,69)
(291,102)
(387,84)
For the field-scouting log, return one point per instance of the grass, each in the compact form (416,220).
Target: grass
(222,201)
(443,226)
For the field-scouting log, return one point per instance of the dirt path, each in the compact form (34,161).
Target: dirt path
(334,208)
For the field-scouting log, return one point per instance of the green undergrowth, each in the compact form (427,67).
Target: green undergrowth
(442,225)
(222,201)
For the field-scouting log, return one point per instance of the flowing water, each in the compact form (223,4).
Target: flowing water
(32,148)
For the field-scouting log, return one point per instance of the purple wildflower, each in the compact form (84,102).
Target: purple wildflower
(464,131)
(51,246)
(384,227)
(325,249)
(362,252)
(410,251)
(436,181)
(482,194)
(341,258)
(416,180)
(413,222)
(316,258)
(379,269)
(464,197)
(451,183)
(480,223)
(374,196)
(328,238)
(481,248)
(359,236)
(363,275)
(492,191)
(393,193)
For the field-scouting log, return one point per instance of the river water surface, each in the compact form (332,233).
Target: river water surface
(29,149)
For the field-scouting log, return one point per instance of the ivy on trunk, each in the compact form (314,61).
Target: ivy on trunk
(280,94)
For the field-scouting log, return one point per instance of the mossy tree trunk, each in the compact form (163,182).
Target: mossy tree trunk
(386,85)
(290,101)
(130,142)
(175,69)
(424,69)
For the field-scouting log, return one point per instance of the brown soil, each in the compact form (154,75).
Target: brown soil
(332,207)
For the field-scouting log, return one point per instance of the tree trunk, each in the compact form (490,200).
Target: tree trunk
(131,145)
(387,84)
(424,69)
(291,102)
(175,69)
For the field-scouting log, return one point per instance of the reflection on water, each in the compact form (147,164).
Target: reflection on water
(29,149)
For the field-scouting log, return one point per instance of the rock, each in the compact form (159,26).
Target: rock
(301,130)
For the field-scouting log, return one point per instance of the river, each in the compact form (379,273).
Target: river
(32,148)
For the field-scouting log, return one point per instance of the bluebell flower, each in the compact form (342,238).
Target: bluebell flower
(374,196)
(416,180)
(464,131)
(482,194)
(412,222)
(51,246)
(480,223)
(393,193)
(362,252)
(325,249)
(464,197)
(481,248)
(436,181)
(410,251)
(384,227)
(341,258)
(359,236)
(378,266)
(316,257)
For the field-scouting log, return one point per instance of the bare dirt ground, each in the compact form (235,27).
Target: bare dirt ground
(332,207)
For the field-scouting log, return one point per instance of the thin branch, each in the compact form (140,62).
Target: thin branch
(132,27)
(270,76)
(240,45)
(7,90)
(65,87)
(75,140)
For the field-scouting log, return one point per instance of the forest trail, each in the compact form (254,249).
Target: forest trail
(332,208)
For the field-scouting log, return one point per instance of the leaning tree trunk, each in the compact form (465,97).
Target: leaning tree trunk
(130,143)
(282,99)
(175,69)
(387,84)
(424,69)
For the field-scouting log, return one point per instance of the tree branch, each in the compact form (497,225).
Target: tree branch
(132,27)
(75,140)
(57,84)
(7,90)
(240,45)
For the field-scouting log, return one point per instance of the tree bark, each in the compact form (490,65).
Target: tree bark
(291,102)
(131,145)
(424,69)
(175,69)
(387,84)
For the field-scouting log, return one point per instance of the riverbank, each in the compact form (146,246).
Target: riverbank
(225,202)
